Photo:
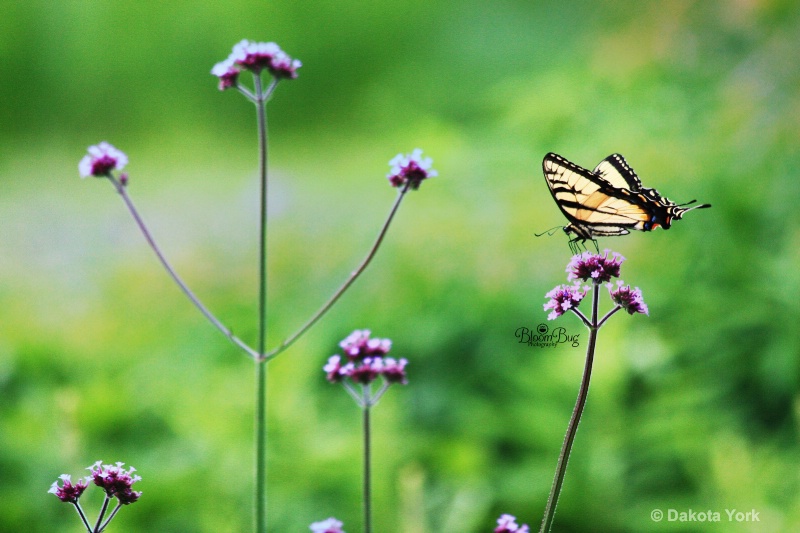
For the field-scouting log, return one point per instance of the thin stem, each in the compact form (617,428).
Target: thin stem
(261,362)
(377,396)
(261,447)
(110,517)
(262,256)
(346,285)
(83,516)
(247,94)
(102,514)
(171,271)
(583,318)
(608,315)
(572,428)
(359,398)
(367,474)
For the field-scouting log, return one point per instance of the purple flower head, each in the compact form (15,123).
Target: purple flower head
(410,169)
(365,361)
(563,298)
(629,300)
(227,73)
(334,369)
(508,524)
(256,57)
(116,481)
(395,371)
(367,371)
(595,267)
(331,525)
(101,160)
(358,345)
(68,492)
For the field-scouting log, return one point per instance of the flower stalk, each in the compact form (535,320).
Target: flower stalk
(407,173)
(598,269)
(115,481)
(365,363)
(120,187)
(261,363)
(350,280)
(367,472)
(572,427)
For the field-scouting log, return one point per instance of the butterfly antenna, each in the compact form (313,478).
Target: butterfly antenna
(549,232)
(701,206)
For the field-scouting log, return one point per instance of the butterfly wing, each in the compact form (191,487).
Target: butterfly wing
(607,201)
(597,204)
(618,173)
(662,210)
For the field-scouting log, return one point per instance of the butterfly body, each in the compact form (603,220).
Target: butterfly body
(607,201)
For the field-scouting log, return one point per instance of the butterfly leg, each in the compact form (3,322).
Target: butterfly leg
(576,244)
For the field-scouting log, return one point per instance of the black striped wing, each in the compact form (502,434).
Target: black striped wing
(618,173)
(601,203)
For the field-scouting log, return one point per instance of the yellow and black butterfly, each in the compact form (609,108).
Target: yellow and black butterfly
(607,201)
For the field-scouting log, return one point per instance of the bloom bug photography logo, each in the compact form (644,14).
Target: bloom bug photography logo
(543,337)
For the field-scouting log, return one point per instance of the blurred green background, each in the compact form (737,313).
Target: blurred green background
(694,407)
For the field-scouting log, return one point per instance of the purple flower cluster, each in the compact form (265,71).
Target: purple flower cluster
(115,481)
(69,492)
(595,267)
(508,524)
(563,298)
(331,525)
(101,160)
(255,57)
(629,300)
(410,169)
(365,361)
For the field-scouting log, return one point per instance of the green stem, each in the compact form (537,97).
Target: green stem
(101,514)
(261,447)
(110,517)
(83,516)
(261,363)
(171,271)
(367,473)
(350,280)
(572,428)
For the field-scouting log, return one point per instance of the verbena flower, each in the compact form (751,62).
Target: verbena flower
(116,481)
(394,371)
(365,361)
(255,57)
(563,298)
(358,345)
(69,492)
(101,160)
(227,73)
(629,300)
(331,525)
(508,524)
(410,168)
(595,267)
(367,371)
(334,369)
